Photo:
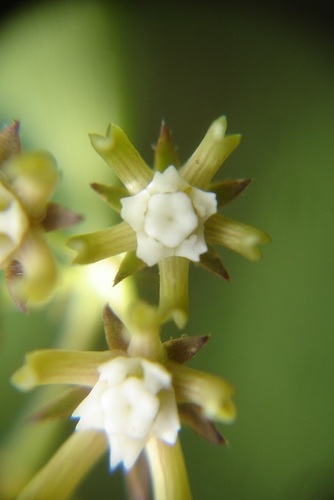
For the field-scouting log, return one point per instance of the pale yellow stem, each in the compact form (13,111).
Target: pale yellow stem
(168,471)
(62,474)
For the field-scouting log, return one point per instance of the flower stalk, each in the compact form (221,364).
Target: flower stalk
(130,399)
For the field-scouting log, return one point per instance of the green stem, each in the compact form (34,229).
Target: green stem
(66,469)
(168,471)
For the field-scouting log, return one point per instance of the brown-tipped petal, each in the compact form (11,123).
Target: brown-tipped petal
(212,262)
(165,150)
(96,246)
(174,290)
(114,330)
(129,266)
(63,406)
(123,158)
(59,217)
(210,155)
(236,236)
(10,143)
(194,416)
(111,195)
(184,348)
(227,191)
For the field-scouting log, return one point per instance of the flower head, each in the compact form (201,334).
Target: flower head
(168,217)
(169,213)
(27,180)
(132,401)
(139,390)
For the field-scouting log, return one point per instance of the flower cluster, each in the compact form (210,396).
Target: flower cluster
(169,213)
(139,389)
(133,397)
(27,180)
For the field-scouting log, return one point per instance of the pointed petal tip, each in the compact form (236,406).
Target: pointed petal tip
(184,348)
(100,143)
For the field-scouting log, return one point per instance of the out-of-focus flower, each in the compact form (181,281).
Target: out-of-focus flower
(169,213)
(139,390)
(27,180)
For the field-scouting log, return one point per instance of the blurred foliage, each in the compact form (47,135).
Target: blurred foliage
(70,68)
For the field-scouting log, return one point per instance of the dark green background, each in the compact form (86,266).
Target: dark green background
(269,67)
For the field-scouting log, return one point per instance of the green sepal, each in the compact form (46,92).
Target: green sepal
(63,406)
(96,246)
(52,366)
(165,152)
(211,261)
(184,348)
(227,191)
(123,158)
(236,236)
(114,330)
(195,418)
(111,194)
(211,393)
(174,300)
(214,149)
(129,266)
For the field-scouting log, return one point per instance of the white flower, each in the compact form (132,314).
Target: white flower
(13,223)
(132,401)
(168,218)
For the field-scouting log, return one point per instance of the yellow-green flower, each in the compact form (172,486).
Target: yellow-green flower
(139,391)
(27,180)
(169,213)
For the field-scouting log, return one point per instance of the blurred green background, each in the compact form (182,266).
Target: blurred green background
(70,68)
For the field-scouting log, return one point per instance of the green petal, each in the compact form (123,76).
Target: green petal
(226,191)
(174,289)
(120,154)
(102,244)
(33,179)
(129,266)
(67,468)
(32,276)
(184,348)
(212,393)
(236,236)
(165,150)
(210,155)
(60,367)
(111,194)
